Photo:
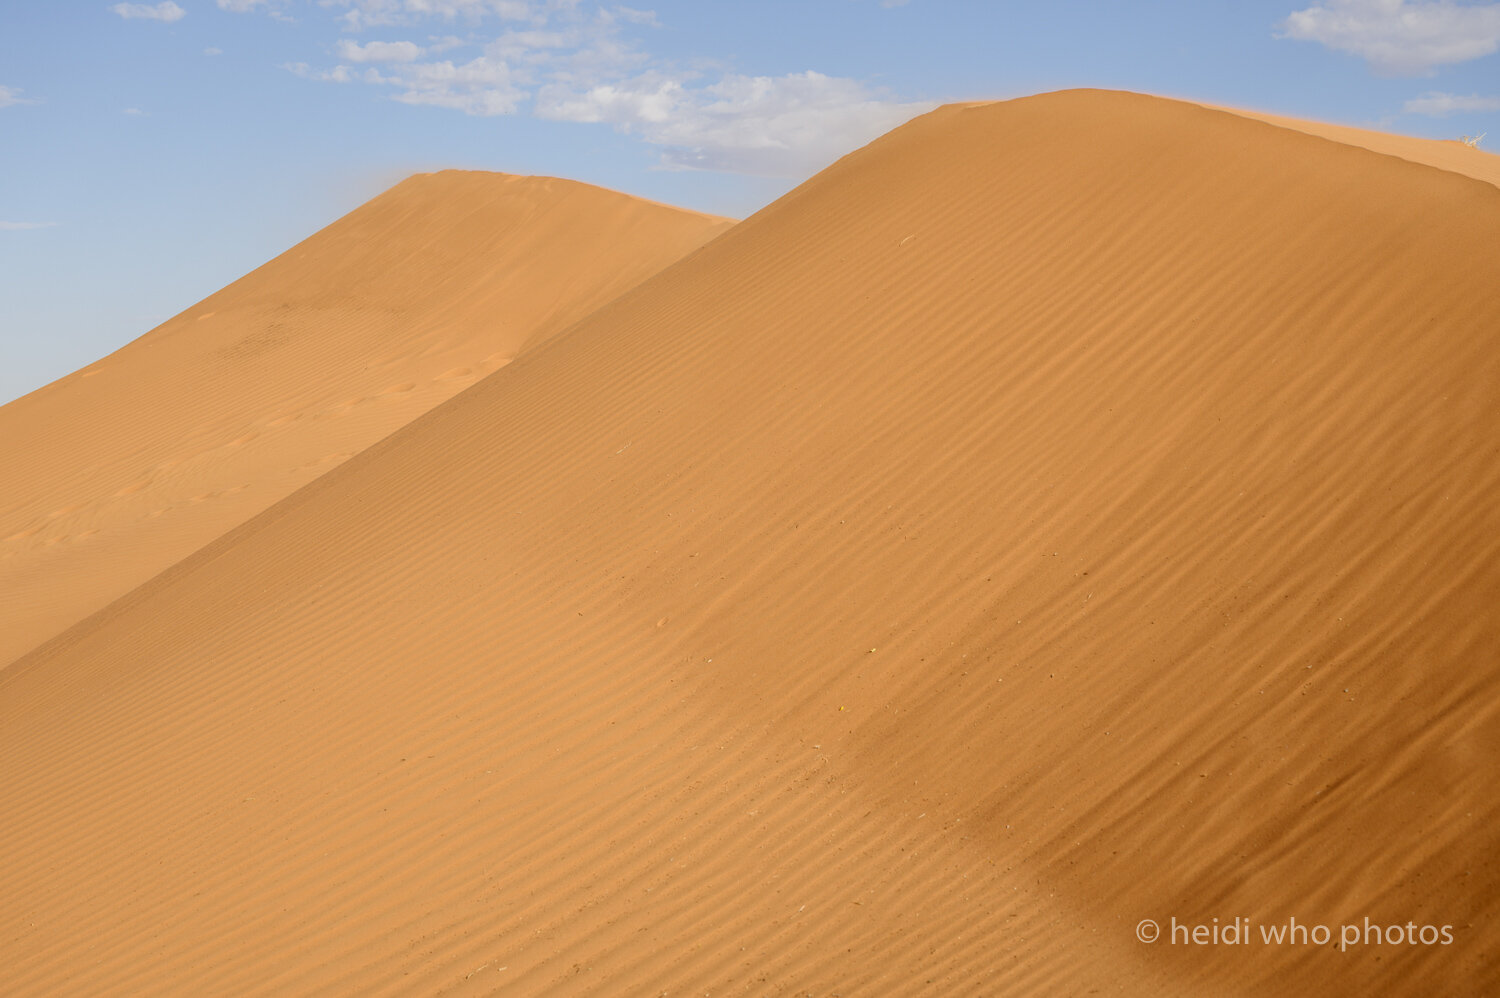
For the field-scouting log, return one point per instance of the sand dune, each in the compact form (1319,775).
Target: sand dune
(131,464)
(1058,513)
(1451,155)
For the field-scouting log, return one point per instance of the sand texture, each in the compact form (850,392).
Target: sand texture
(1451,155)
(129,465)
(1058,513)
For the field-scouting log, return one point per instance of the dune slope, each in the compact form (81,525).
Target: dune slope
(1058,513)
(121,469)
(1447,154)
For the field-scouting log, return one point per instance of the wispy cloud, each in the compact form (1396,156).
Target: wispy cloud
(166,11)
(481,86)
(564,61)
(11,96)
(379,51)
(338,74)
(1398,37)
(782,126)
(1440,105)
(134,112)
(362,14)
(213,50)
(275,8)
(21,226)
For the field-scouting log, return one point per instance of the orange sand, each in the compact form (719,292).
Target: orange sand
(1058,513)
(1451,155)
(121,469)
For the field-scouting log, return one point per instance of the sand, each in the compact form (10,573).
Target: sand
(127,466)
(1058,513)
(1451,155)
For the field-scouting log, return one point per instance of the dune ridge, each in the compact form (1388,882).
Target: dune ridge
(1443,154)
(1058,513)
(123,468)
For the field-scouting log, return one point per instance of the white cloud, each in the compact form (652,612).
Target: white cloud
(213,50)
(1440,105)
(570,62)
(481,86)
(630,14)
(1398,37)
(133,111)
(361,14)
(338,74)
(530,46)
(437,45)
(379,51)
(275,8)
(19,226)
(10,96)
(505,72)
(649,100)
(166,11)
(783,126)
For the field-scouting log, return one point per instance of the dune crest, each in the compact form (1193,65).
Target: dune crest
(123,468)
(1058,513)
(1444,154)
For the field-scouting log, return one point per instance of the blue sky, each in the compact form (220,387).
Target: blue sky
(152,152)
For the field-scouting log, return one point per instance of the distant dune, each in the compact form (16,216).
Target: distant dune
(1450,155)
(1059,513)
(118,471)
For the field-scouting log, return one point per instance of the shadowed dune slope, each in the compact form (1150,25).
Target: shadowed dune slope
(121,469)
(1058,513)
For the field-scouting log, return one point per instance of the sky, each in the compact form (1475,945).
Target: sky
(153,152)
